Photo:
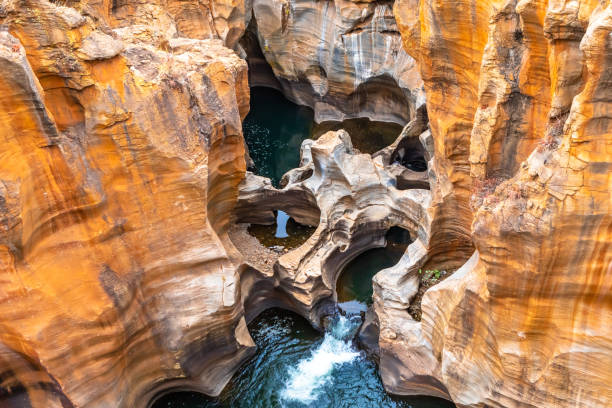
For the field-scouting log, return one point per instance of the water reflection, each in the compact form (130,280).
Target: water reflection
(286,233)
(281,225)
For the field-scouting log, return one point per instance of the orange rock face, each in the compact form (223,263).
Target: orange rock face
(518,94)
(121,152)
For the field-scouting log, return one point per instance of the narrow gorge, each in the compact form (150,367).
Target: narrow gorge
(300,203)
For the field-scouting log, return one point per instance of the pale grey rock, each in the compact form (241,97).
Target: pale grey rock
(344,59)
(99,46)
(72,17)
(354,200)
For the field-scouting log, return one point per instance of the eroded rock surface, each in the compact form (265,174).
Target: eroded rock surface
(120,159)
(122,156)
(519,100)
(343,58)
(353,200)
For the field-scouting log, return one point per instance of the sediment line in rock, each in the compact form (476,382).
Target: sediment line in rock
(344,59)
(520,126)
(121,156)
(352,198)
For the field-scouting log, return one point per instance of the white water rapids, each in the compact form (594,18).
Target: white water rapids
(306,380)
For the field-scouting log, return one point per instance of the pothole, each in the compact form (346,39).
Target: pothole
(285,234)
(367,136)
(354,285)
(410,153)
(274,130)
(297,366)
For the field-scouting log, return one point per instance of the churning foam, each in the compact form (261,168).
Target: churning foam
(305,380)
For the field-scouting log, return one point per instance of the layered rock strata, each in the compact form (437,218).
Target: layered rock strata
(122,155)
(519,101)
(344,59)
(120,160)
(353,200)
(160,20)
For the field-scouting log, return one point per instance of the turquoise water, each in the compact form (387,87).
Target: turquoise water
(298,367)
(274,130)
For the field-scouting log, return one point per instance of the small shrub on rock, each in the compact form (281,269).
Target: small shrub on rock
(483,189)
(553,134)
(431,275)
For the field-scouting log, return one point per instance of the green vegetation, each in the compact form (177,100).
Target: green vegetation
(431,275)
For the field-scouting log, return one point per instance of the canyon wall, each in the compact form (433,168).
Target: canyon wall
(121,154)
(519,97)
(343,58)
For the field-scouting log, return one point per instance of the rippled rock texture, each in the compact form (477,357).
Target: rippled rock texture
(343,58)
(519,98)
(353,200)
(120,159)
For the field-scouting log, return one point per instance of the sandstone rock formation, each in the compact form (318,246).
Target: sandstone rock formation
(352,198)
(122,168)
(343,58)
(220,19)
(120,159)
(519,100)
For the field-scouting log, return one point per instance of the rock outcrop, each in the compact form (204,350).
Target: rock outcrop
(353,200)
(519,99)
(120,159)
(343,58)
(122,167)
(219,19)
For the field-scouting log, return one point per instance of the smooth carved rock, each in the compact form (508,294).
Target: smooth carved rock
(411,145)
(117,180)
(345,59)
(524,321)
(99,46)
(353,199)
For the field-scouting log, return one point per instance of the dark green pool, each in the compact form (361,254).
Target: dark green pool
(355,282)
(274,130)
(366,135)
(298,367)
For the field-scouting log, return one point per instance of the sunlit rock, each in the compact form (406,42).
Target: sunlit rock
(355,200)
(120,162)
(345,59)
(518,102)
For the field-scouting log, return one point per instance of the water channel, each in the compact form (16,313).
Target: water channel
(295,365)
